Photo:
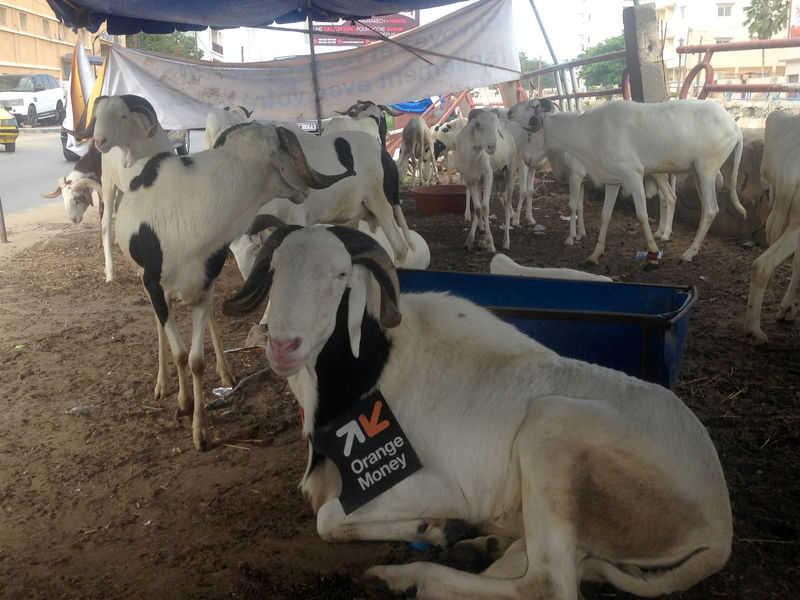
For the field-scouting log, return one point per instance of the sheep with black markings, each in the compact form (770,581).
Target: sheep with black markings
(583,472)
(180,214)
(780,175)
(620,142)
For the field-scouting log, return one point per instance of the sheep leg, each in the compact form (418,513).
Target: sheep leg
(636,185)
(200,319)
(760,275)
(708,212)
(608,207)
(666,203)
(488,239)
(162,383)
(508,207)
(384,215)
(467,215)
(105,227)
(787,311)
(223,368)
(473,194)
(576,228)
(181,359)
(400,219)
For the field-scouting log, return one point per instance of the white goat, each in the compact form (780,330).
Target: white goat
(589,474)
(219,120)
(125,129)
(180,214)
(620,142)
(503,265)
(444,142)
(779,171)
(78,196)
(485,150)
(416,148)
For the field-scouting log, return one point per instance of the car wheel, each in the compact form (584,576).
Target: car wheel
(11,147)
(33,118)
(183,149)
(60,113)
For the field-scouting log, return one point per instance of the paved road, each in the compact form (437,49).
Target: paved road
(33,169)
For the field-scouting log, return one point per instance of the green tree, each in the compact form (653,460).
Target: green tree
(176,43)
(765,18)
(530,64)
(606,74)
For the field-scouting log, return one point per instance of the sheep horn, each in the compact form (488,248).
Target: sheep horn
(87,183)
(62,182)
(256,288)
(88,131)
(389,110)
(140,105)
(313,179)
(264,221)
(369,253)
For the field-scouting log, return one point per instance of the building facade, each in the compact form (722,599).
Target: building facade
(32,40)
(693,22)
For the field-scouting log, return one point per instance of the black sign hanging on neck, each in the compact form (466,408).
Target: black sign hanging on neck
(369,448)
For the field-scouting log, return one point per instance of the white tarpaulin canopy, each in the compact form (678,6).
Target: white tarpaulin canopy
(472,47)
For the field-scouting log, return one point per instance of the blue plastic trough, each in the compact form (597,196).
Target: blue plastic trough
(635,328)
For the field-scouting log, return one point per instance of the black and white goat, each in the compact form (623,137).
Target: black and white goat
(180,214)
(584,472)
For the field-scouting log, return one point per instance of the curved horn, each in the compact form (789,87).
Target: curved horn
(62,182)
(264,221)
(389,110)
(87,183)
(313,179)
(368,252)
(256,288)
(88,131)
(140,105)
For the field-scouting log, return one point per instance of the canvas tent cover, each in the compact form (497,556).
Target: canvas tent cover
(156,16)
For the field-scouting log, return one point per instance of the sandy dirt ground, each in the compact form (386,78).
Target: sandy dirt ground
(103,496)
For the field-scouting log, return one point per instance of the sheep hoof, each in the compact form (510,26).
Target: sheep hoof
(650,265)
(589,263)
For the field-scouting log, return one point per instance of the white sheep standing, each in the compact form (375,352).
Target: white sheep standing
(485,151)
(571,470)
(444,142)
(620,142)
(780,175)
(180,214)
(416,152)
(219,120)
(125,130)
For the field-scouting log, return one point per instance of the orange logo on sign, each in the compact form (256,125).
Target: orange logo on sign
(373,426)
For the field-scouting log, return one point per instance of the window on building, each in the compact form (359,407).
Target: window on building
(724,10)
(3,16)
(216,41)
(45,28)
(725,40)
(23,21)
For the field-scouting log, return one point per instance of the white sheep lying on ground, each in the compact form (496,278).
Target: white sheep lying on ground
(620,142)
(180,214)
(485,151)
(779,170)
(575,471)
(503,265)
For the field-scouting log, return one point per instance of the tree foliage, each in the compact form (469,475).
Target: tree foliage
(765,18)
(530,64)
(604,74)
(176,43)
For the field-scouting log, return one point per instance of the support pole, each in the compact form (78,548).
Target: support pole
(560,84)
(314,80)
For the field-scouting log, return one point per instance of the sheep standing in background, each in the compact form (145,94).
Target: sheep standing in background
(620,142)
(180,214)
(444,142)
(485,151)
(218,121)
(78,196)
(416,152)
(125,130)
(779,174)
(570,470)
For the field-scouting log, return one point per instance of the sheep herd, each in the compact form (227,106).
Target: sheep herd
(557,470)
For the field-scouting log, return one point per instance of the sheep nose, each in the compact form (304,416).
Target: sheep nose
(282,348)
(99,142)
(490,148)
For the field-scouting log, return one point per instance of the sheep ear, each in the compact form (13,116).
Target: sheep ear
(256,288)
(357,304)
(367,252)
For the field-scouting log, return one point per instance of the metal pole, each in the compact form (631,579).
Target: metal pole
(314,80)
(3,235)
(560,84)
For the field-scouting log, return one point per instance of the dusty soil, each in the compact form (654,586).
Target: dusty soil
(103,496)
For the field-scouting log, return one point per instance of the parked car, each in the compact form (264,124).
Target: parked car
(8,130)
(178,137)
(32,98)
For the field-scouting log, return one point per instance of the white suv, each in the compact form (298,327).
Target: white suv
(33,98)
